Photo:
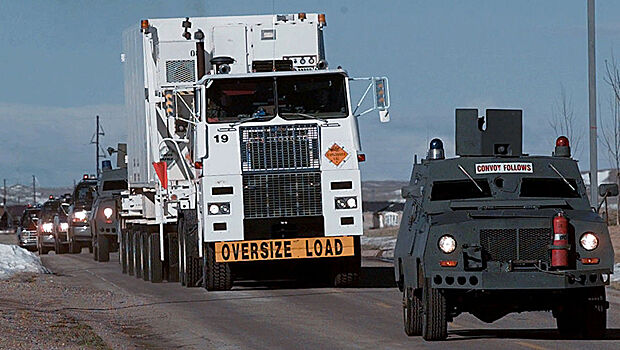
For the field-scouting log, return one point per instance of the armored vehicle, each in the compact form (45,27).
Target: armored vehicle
(105,215)
(494,231)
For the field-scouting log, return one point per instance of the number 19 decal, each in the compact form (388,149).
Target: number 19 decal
(221,138)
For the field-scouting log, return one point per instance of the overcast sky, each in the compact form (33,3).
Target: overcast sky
(60,66)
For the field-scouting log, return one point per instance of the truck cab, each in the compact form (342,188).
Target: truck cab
(27,228)
(495,231)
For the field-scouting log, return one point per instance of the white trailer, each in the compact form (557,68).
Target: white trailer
(243,151)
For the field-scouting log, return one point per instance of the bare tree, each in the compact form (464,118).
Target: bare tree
(610,129)
(563,120)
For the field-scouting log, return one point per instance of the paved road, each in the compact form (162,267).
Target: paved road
(280,316)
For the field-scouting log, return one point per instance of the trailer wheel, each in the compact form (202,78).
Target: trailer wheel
(129,251)
(144,253)
(435,325)
(122,252)
(181,248)
(103,253)
(154,260)
(137,256)
(412,312)
(217,276)
(173,258)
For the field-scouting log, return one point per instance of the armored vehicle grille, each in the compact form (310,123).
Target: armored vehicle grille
(504,245)
(280,147)
(282,195)
(180,71)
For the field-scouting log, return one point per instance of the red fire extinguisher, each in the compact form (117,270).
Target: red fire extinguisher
(559,249)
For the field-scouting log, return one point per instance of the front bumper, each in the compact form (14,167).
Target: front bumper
(48,239)
(28,239)
(80,233)
(481,280)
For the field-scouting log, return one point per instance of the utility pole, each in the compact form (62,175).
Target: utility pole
(34,191)
(4,200)
(592,105)
(95,139)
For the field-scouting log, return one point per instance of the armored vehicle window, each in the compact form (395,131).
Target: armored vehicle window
(459,189)
(116,185)
(230,100)
(323,95)
(554,188)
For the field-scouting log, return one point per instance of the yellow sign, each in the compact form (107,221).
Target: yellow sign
(336,154)
(277,249)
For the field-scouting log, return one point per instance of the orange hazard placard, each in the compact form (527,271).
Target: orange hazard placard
(278,249)
(336,154)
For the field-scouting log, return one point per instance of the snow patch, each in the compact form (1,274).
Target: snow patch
(14,260)
(385,246)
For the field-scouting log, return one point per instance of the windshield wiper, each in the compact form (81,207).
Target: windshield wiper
(563,178)
(471,178)
(307,116)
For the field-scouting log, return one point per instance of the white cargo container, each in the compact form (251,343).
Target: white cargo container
(243,151)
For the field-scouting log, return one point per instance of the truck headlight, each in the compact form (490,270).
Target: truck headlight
(447,244)
(346,202)
(588,241)
(219,208)
(64,226)
(48,227)
(107,212)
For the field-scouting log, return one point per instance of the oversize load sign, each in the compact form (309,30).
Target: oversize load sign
(504,168)
(277,249)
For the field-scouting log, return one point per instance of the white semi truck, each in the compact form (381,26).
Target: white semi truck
(243,152)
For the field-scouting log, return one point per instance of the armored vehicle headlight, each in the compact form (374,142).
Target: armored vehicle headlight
(447,244)
(64,226)
(108,212)
(588,241)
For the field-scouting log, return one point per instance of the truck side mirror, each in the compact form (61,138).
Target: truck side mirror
(382,98)
(608,190)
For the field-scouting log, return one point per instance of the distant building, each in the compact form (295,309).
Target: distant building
(388,216)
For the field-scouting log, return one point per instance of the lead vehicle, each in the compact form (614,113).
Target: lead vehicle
(495,231)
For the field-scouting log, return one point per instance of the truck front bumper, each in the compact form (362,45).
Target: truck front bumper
(481,280)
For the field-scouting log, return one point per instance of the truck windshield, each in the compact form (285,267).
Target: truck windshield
(317,95)
(459,189)
(548,188)
(232,100)
(84,193)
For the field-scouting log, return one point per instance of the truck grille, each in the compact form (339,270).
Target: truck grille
(504,245)
(280,148)
(282,195)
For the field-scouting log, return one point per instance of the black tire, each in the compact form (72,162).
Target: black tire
(137,255)
(59,247)
(103,248)
(122,252)
(181,249)
(584,315)
(90,249)
(435,321)
(145,255)
(129,252)
(155,264)
(74,247)
(173,258)
(192,270)
(346,279)
(412,312)
(217,276)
